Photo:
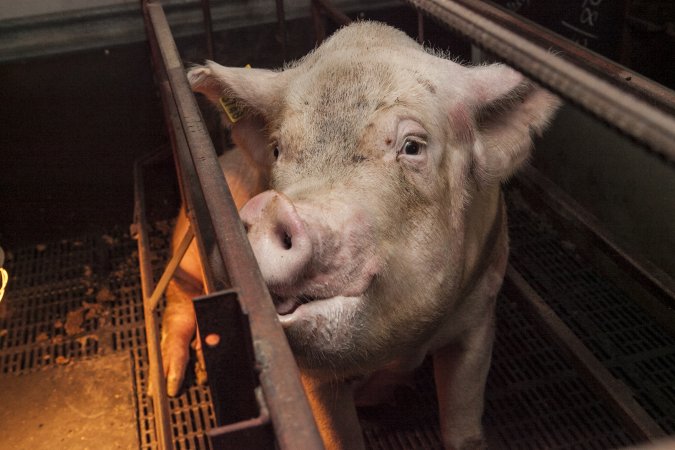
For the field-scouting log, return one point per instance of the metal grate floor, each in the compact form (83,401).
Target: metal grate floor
(621,335)
(534,400)
(78,299)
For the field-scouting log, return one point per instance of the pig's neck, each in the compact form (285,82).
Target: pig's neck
(483,229)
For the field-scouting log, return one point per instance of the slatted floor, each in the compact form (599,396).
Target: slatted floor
(77,299)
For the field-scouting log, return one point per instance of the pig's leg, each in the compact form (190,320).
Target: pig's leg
(179,321)
(460,371)
(178,328)
(333,406)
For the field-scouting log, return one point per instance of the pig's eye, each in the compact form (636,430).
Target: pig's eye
(412,147)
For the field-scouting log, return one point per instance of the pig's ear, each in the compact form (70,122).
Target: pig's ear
(251,97)
(256,90)
(508,110)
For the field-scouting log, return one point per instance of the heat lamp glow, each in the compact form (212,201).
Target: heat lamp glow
(4,277)
(3,283)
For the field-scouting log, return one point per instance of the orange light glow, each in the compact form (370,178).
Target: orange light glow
(3,282)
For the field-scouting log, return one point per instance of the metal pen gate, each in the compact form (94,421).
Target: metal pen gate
(268,408)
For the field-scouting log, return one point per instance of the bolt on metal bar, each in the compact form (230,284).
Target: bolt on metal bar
(289,410)
(612,390)
(625,111)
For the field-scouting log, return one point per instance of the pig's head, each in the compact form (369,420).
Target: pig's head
(380,153)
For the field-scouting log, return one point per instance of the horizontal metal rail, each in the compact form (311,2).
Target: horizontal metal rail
(217,218)
(568,76)
(620,76)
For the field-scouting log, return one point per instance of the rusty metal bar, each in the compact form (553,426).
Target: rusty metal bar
(289,410)
(653,127)
(318,22)
(613,391)
(281,24)
(420,27)
(620,76)
(208,28)
(334,13)
(216,277)
(158,393)
(318,7)
(170,269)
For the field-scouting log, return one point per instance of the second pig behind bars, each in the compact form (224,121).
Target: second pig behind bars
(370,171)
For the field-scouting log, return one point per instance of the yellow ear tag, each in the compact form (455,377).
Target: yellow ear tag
(232,109)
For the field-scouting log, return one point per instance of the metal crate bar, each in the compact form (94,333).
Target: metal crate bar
(160,401)
(223,243)
(617,105)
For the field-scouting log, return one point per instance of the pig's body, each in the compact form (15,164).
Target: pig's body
(179,323)
(383,237)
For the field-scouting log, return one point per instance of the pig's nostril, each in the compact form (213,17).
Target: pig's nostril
(288,243)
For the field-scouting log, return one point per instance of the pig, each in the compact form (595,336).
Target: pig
(376,217)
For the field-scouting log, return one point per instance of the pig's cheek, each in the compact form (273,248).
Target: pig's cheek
(422,176)
(363,256)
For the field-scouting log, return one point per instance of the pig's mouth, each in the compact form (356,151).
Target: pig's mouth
(286,306)
(291,309)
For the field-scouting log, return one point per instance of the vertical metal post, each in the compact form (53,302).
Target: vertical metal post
(318,22)
(214,217)
(160,401)
(208,28)
(281,32)
(420,27)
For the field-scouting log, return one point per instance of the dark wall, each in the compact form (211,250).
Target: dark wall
(71,128)
(72,125)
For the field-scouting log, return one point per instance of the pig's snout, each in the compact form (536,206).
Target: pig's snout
(278,237)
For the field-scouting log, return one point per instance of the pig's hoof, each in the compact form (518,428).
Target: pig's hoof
(175,356)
